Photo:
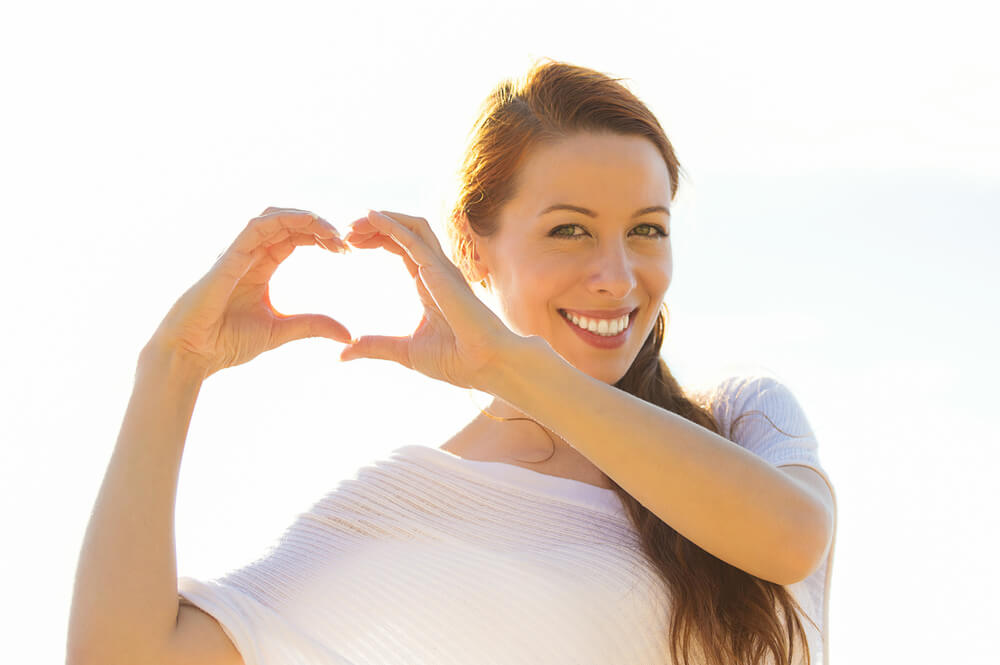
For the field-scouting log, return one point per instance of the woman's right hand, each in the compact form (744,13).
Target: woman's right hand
(226,318)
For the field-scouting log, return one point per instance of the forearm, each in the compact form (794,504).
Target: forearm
(125,594)
(715,493)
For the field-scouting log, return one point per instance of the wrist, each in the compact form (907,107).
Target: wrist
(508,365)
(170,361)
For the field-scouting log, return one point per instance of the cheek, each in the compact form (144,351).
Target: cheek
(658,274)
(530,293)
(538,280)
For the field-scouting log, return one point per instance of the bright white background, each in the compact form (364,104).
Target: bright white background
(837,228)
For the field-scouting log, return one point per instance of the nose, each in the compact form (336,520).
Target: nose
(612,273)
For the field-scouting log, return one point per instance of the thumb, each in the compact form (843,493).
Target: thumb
(300,326)
(381,347)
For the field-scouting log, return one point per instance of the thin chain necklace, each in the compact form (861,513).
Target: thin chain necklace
(501,419)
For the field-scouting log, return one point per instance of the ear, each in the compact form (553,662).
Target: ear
(478,272)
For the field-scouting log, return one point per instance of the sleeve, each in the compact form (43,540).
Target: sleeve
(239,615)
(258,631)
(762,415)
(266,608)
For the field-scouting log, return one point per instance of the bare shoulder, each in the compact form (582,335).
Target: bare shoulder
(200,640)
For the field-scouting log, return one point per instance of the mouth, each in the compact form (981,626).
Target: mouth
(601,332)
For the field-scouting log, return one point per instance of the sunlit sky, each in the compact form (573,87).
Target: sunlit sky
(837,227)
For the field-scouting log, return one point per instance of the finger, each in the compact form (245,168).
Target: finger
(385,242)
(300,326)
(275,226)
(420,226)
(264,230)
(372,241)
(448,290)
(356,235)
(296,211)
(250,248)
(274,254)
(336,245)
(406,237)
(380,347)
(358,238)
(424,290)
(364,229)
(271,209)
(361,225)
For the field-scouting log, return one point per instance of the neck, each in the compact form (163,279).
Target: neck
(524,440)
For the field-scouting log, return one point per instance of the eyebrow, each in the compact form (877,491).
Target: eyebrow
(591,213)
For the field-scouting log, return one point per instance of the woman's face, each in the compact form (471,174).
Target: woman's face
(547,259)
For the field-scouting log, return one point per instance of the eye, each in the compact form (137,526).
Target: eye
(657,231)
(660,232)
(555,232)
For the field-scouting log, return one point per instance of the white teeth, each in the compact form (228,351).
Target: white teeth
(603,327)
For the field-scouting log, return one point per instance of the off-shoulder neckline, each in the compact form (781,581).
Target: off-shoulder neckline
(565,489)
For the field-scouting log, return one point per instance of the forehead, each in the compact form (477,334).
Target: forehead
(609,173)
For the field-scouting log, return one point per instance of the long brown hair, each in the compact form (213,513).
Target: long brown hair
(720,615)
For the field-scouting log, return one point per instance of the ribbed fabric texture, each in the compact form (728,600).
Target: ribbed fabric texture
(424,558)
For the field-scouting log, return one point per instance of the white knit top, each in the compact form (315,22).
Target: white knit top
(425,558)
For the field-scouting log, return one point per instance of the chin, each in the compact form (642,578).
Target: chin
(608,376)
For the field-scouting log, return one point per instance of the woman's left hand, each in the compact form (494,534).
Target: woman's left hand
(459,339)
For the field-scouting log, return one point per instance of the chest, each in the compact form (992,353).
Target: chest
(563,464)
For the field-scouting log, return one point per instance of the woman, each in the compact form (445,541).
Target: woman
(595,513)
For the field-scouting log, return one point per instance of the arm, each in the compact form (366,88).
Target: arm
(125,604)
(720,496)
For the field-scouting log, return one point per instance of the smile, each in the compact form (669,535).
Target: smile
(602,333)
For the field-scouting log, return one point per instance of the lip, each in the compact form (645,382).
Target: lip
(602,313)
(601,341)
